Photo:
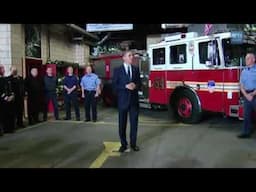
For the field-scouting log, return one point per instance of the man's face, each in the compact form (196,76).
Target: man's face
(128,57)
(70,71)
(88,69)
(34,72)
(49,71)
(249,59)
(14,71)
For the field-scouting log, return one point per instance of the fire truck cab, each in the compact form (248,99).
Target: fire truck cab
(190,74)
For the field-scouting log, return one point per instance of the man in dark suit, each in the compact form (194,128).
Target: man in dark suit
(126,83)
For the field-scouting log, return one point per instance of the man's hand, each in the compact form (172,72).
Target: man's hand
(253,93)
(69,91)
(130,86)
(133,86)
(10,98)
(249,97)
(82,95)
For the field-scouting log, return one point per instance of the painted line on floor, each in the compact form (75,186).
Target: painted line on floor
(108,151)
(31,127)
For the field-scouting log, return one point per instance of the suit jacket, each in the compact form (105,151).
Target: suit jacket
(125,96)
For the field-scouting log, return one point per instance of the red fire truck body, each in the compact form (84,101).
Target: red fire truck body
(194,74)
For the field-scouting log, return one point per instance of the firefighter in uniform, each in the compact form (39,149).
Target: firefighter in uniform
(70,83)
(34,87)
(248,89)
(7,103)
(19,92)
(90,85)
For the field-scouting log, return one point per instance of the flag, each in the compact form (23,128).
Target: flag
(207,29)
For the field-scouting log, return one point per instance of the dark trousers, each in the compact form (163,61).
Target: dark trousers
(72,97)
(133,114)
(90,103)
(33,109)
(9,117)
(1,119)
(19,109)
(249,107)
(51,97)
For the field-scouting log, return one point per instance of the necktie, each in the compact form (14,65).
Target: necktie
(129,72)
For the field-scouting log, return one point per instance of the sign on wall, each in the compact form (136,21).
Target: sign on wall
(108,27)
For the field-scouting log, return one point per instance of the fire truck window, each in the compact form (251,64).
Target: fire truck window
(205,55)
(159,56)
(178,54)
(115,63)
(235,53)
(99,67)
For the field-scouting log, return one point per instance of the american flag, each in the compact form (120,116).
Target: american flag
(207,28)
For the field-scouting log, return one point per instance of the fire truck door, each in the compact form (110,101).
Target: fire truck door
(158,74)
(209,75)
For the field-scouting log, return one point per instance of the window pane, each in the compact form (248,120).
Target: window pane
(178,54)
(159,56)
(206,56)
(234,54)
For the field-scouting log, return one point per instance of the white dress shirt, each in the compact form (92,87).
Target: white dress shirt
(128,66)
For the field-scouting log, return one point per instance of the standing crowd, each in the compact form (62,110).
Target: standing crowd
(39,92)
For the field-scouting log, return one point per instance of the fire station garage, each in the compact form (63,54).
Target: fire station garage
(186,81)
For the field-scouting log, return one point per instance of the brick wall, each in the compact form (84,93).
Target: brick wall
(5,46)
(61,47)
(12,46)
(18,47)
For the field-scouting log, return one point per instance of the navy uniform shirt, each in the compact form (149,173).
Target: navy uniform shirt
(50,83)
(248,78)
(90,82)
(70,81)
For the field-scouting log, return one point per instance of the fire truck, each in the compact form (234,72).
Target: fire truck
(190,74)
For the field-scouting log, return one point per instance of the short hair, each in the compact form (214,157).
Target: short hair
(250,53)
(126,52)
(33,68)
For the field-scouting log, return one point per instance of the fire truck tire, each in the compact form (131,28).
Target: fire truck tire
(187,107)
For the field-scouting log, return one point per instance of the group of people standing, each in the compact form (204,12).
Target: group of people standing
(39,92)
(13,89)
(12,94)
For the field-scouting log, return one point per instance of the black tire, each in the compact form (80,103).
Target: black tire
(186,107)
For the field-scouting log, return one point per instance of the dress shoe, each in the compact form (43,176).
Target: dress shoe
(123,149)
(94,121)
(31,123)
(11,131)
(21,126)
(87,120)
(66,119)
(135,148)
(77,119)
(244,136)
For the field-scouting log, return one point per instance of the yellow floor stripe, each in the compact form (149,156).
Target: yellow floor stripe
(110,148)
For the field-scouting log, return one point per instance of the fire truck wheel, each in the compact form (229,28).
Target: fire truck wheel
(187,108)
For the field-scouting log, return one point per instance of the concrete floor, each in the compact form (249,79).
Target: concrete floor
(164,144)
